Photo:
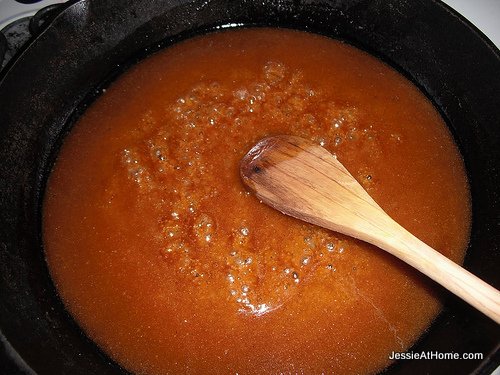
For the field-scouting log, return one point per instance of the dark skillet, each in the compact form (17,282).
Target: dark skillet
(90,42)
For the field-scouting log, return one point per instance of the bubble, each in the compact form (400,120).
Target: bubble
(230,111)
(330,267)
(167,251)
(352,134)
(395,137)
(214,85)
(204,228)
(274,72)
(330,247)
(127,157)
(309,119)
(136,173)
(159,155)
(170,229)
(196,273)
(241,94)
(241,238)
(309,242)
(259,89)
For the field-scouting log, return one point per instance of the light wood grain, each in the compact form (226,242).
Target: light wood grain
(303,180)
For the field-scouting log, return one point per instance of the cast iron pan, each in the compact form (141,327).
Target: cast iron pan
(90,42)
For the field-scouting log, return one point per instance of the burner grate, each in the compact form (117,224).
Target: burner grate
(25,24)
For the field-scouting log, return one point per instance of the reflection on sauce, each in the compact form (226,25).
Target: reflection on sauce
(172,267)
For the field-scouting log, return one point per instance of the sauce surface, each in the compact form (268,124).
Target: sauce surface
(171,266)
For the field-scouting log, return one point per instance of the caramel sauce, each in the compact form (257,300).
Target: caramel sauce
(170,266)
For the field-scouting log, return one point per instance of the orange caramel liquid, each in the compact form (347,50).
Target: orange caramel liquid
(171,266)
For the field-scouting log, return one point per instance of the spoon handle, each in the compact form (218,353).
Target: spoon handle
(430,262)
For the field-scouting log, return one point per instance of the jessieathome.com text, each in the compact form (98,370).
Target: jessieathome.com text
(434,355)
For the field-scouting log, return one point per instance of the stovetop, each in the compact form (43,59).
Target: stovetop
(20,20)
(18,24)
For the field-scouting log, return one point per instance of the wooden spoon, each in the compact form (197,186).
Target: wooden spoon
(303,180)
